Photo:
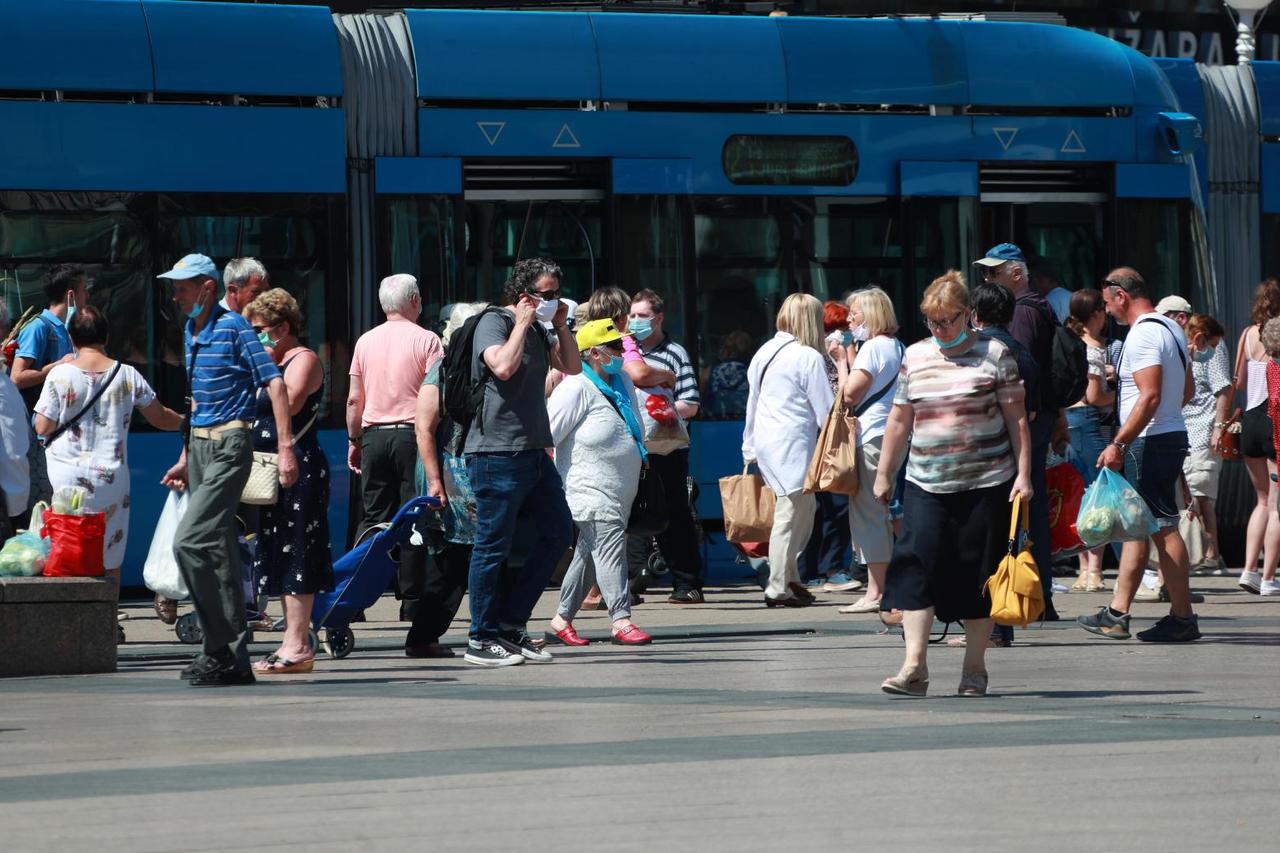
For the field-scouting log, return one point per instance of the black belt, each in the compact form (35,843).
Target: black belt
(372,427)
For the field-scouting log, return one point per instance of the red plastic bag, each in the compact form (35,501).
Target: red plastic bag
(1065,486)
(75,544)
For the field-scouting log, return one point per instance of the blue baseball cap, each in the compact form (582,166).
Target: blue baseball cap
(1001,254)
(190,267)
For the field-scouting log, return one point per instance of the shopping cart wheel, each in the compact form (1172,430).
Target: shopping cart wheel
(339,642)
(188,629)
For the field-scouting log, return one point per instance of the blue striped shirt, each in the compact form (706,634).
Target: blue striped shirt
(230,366)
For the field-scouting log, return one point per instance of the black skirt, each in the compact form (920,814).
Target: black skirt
(1256,441)
(950,545)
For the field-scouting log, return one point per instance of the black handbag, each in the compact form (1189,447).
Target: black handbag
(649,509)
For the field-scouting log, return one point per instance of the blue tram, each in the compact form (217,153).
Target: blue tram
(722,161)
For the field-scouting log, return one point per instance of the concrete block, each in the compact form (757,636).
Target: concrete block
(57,626)
(42,589)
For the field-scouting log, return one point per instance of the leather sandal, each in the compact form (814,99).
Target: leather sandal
(273,664)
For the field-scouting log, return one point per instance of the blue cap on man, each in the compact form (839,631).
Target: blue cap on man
(191,266)
(1001,254)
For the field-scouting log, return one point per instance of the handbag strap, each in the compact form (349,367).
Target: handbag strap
(776,353)
(879,395)
(49,439)
(1017,521)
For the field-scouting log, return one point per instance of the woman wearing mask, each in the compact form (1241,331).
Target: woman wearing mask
(960,400)
(1089,419)
(1207,409)
(292,560)
(599,454)
(789,400)
(869,392)
(1263,532)
(90,453)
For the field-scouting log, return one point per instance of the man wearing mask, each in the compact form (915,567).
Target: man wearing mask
(226,365)
(42,344)
(507,462)
(387,369)
(1034,325)
(679,542)
(243,280)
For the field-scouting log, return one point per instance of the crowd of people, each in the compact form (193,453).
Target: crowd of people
(572,424)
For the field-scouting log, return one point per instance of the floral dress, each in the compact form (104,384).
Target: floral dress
(91,454)
(293,557)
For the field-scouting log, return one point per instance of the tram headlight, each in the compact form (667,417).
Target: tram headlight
(1181,133)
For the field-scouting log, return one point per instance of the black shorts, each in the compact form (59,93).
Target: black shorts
(1153,465)
(950,545)
(1256,441)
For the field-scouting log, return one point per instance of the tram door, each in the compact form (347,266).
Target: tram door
(1069,233)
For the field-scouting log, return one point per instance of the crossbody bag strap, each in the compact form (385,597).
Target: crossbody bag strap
(776,353)
(87,406)
(879,395)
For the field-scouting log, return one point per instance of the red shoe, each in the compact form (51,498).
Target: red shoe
(631,636)
(566,636)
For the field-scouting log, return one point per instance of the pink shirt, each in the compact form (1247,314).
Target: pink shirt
(391,361)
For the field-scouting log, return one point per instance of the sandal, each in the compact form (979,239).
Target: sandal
(273,664)
(1081,585)
(166,609)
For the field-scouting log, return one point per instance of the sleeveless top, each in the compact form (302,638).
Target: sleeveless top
(264,425)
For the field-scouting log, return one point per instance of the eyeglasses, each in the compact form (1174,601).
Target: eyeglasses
(943,324)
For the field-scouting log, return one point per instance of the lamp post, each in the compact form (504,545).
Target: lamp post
(1246,14)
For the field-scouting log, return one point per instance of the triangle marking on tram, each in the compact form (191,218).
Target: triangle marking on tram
(566,139)
(491,130)
(1073,145)
(1005,135)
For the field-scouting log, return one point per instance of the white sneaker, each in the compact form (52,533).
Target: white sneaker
(1271,587)
(862,605)
(1146,593)
(1060,589)
(1251,581)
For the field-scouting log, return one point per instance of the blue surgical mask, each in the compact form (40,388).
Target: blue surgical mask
(196,309)
(954,342)
(265,340)
(846,338)
(640,327)
(71,309)
(613,366)
(1204,355)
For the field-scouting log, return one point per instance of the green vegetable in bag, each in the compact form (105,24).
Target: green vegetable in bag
(24,555)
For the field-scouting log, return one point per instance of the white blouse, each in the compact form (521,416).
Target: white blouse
(785,414)
(596,455)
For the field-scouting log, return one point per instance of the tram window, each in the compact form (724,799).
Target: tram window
(846,244)
(498,233)
(652,252)
(417,237)
(1154,238)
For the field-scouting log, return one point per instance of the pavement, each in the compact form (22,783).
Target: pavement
(740,728)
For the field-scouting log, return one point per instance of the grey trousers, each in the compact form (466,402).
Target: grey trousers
(205,543)
(599,557)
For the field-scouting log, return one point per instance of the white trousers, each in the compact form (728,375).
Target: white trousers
(792,524)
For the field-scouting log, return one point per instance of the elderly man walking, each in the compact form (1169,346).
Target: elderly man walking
(227,365)
(243,280)
(387,368)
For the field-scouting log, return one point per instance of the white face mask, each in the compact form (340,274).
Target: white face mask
(860,332)
(546,310)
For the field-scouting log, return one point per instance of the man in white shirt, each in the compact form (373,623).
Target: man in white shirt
(1154,382)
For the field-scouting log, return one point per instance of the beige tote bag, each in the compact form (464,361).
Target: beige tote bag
(834,467)
(748,507)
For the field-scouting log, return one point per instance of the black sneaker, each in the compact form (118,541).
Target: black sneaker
(687,596)
(1196,598)
(521,644)
(202,664)
(224,675)
(1172,629)
(1104,624)
(491,653)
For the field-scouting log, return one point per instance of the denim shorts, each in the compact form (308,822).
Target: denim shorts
(1153,464)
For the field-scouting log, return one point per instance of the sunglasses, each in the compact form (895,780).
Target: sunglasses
(613,346)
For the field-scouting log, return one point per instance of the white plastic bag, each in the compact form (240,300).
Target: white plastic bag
(160,573)
(660,438)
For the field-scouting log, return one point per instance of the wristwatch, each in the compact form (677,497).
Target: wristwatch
(354,439)
(1123,447)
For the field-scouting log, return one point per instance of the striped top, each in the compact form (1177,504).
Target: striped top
(230,366)
(959,441)
(669,355)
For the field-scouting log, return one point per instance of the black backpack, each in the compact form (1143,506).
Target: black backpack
(463,390)
(1069,372)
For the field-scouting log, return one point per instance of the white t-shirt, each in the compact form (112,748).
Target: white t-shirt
(1148,344)
(882,358)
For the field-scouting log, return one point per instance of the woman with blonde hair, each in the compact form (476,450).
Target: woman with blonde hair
(788,400)
(868,392)
(960,399)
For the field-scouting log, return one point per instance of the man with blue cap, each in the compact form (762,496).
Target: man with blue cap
(226,364)
(1034,326)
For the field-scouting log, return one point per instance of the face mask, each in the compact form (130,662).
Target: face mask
(955,342)
(196,309)
(265,340)
(858,333)
(640,327)
(613,366)
(546,310)
(71,309)
(1204,355)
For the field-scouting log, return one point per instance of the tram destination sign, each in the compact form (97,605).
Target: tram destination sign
(823,161)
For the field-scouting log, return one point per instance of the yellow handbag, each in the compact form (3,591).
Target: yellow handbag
(1016,595)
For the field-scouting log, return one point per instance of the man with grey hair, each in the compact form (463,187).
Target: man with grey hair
(387,368)
(243,280)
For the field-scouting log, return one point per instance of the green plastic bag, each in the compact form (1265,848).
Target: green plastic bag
(24,555)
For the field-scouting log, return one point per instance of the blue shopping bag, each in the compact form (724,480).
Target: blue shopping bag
(1113,511)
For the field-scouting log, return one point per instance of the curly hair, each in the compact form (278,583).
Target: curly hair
(525,274)
(1266,302)
(1203,324)
(274,307)
(835,315)
(1270,337)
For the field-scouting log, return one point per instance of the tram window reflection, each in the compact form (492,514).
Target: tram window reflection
(417,237)
(652,253)
(498,233)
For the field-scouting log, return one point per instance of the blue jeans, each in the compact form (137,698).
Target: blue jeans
(1088,436)
(506,484)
